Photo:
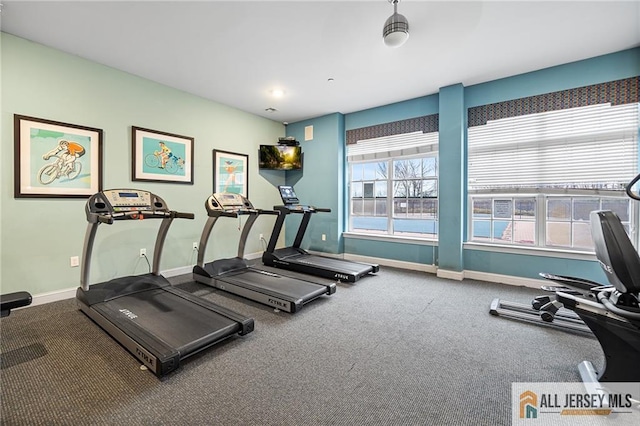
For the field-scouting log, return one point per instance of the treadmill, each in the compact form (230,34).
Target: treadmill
(297,259)
(158,323)
(235,276)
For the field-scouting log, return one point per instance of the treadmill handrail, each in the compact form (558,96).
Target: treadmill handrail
(95,219)
(241,211)
(301,208)
(284,210)
(109,218)
(211,221)
(272,212)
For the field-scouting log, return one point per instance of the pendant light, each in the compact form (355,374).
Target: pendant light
(396,29)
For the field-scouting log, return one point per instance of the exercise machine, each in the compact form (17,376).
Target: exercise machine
(235,276)
(159,324)
(545,310)
(612,311)
(297,259)
(550,316)
(15,300)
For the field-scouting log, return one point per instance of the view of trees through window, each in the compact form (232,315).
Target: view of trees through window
(403,202)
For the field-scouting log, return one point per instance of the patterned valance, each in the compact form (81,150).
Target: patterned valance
(426,124)
(615,92)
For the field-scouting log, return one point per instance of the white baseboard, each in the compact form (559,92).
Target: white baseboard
(391,263)
(450,275)
(253,256)
(53,296)
(183,270)
(505,279)
(69,293)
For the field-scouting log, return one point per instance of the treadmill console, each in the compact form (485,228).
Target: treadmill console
(288,195)
(227,202)
(114,201)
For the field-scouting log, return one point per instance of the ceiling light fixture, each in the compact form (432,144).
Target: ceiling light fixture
(277,93)
(396,29)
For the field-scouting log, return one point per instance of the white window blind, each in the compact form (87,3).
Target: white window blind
(591,147)
(393,146)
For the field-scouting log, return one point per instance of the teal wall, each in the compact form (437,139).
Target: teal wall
(320,183)
(452,103)
(40,235)
(404,251)
(451,149)
(601,69)
(412,108)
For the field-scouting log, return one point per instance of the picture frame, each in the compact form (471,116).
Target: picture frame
(54,159)
(161,157)
(230,172)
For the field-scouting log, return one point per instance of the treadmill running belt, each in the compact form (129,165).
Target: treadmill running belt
(182,324)
(269,282)
(338,265)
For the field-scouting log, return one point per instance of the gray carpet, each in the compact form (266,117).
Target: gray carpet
(398,348)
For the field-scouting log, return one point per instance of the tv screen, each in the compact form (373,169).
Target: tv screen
(280,157)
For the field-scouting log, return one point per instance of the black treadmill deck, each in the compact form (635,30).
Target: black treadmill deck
(322,266)
(159,324)
(182,324)
(269,288)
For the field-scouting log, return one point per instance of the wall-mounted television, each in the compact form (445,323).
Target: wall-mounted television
(280,157)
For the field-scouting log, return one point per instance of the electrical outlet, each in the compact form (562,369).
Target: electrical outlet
(143,252)
(74,261)
(324,237)
(261,237)
(195,245)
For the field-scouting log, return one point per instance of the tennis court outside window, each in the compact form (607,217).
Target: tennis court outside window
(534,179)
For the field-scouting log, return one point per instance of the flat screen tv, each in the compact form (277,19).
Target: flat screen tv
(280,157)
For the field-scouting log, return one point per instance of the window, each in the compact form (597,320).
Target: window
(394,185)
(554,221)
(534,179)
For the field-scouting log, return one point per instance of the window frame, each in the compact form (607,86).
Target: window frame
(390,198)
(541,220)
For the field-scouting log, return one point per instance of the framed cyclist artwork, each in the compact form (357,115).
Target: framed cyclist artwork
(230,172)
(54,159)
(161,157)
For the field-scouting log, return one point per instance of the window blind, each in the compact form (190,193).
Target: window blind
(393,146)
(589,147)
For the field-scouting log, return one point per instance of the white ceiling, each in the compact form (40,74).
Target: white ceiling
(235,52)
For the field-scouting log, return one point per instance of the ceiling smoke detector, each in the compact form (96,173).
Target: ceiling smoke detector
(396,29)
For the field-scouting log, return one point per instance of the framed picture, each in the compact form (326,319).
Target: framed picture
(230,172)
(161,157)
(53,159)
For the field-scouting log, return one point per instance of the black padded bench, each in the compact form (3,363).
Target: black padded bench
(14,300)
